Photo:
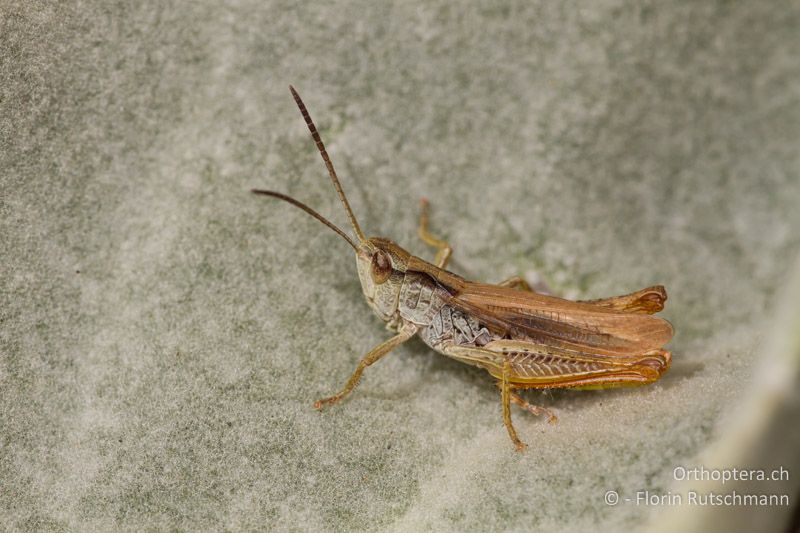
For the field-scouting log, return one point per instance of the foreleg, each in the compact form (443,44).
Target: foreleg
(376,353)
(443,248)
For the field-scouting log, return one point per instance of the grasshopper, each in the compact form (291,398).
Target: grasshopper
(523,338)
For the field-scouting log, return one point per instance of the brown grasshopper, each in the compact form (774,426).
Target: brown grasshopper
(524,339)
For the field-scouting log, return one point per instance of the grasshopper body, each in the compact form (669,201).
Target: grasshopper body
(524,339)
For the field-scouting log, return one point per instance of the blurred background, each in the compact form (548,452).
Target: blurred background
(163,333)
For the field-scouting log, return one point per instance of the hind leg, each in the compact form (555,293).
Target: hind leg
(505,395)
(646,301)
(533,409)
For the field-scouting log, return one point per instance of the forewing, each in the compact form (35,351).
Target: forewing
(578,326)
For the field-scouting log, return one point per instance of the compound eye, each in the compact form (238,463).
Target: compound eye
(381,267)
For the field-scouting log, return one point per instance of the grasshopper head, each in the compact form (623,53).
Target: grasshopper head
(381,268)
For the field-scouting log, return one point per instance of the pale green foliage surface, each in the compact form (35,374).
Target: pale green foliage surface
(163,333)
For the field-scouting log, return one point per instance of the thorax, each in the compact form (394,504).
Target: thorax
(424,302)
(420,299)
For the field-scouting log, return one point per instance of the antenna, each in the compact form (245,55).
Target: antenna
(321,147)
(304,207)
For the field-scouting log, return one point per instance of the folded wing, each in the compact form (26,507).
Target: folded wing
(584,327)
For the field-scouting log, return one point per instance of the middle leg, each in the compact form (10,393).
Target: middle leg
(518,282)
